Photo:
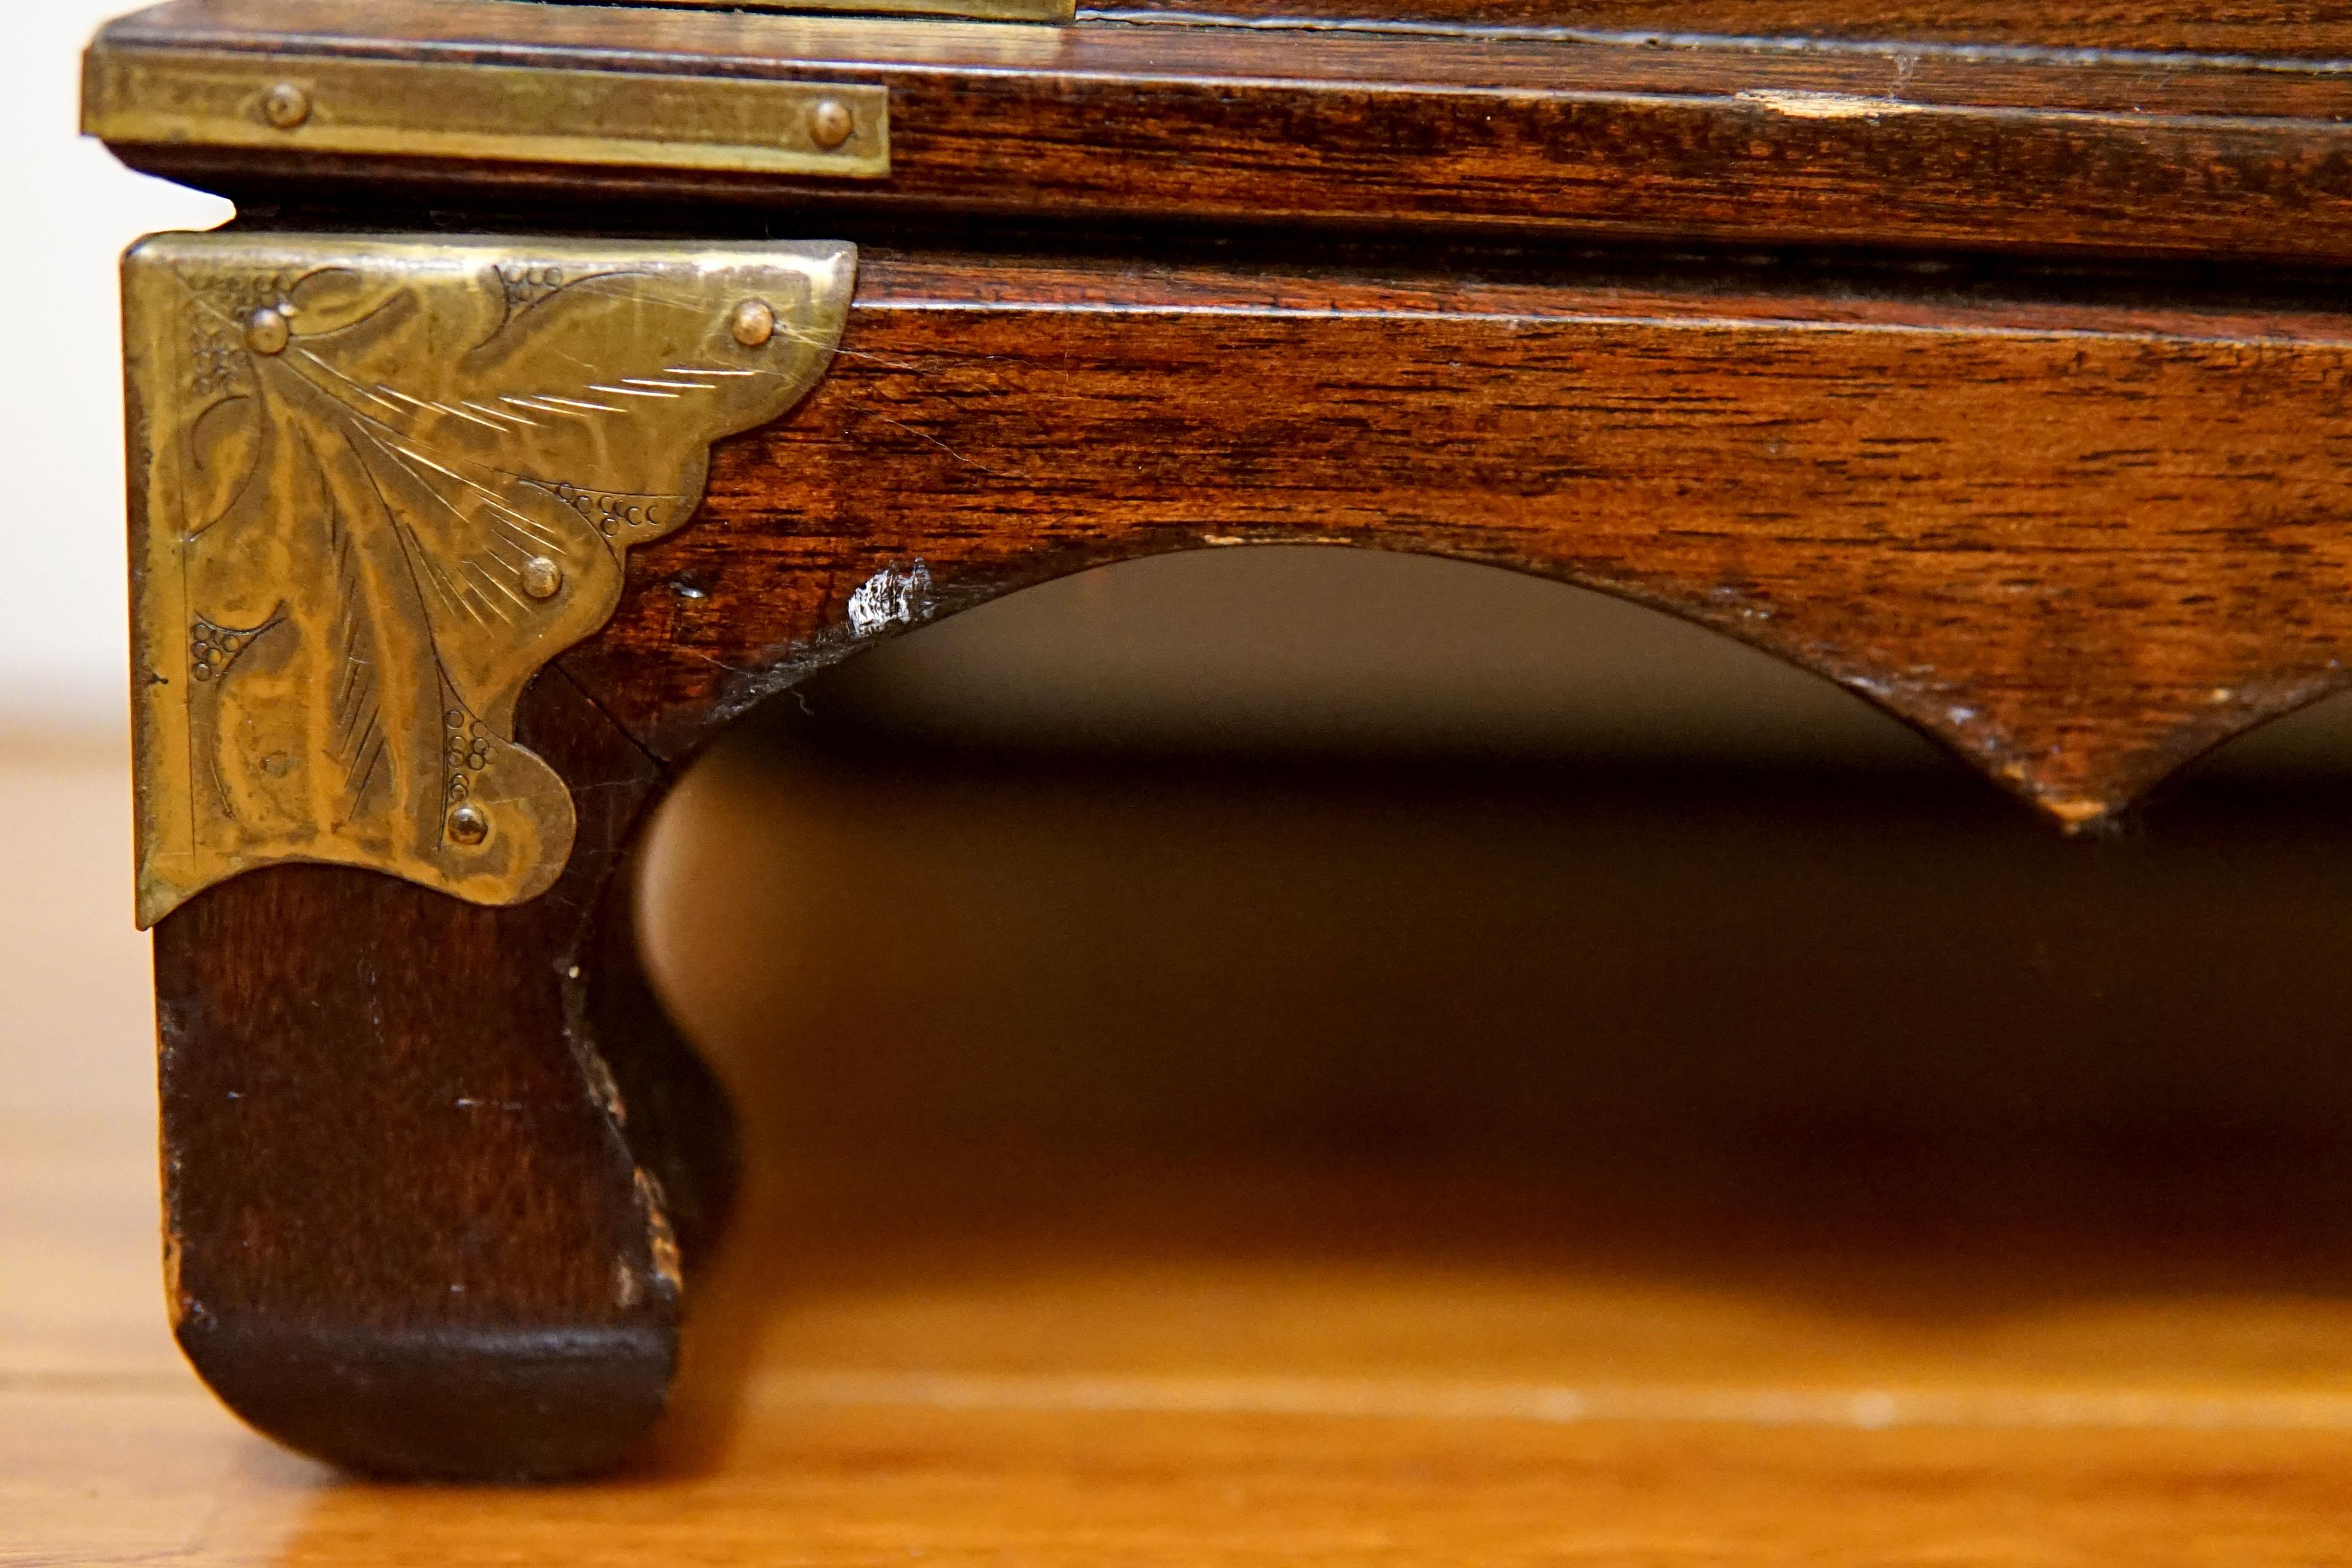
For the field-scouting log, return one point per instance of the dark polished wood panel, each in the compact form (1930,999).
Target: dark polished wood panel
(1721,141)
(2078,542)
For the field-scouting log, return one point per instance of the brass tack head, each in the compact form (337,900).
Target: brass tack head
(285,106)
(469,824)
(266,332)
(829,123)
(753,323)
(541,577)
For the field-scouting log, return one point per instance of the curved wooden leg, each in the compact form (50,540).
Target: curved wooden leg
(427,1164)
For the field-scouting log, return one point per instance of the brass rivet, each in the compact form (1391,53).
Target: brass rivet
(285,106)
(830,123)
(266,332)
(541,577)
(753,323)
(469,824)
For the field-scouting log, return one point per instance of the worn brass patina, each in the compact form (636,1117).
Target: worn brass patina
(505,114)
(378,485)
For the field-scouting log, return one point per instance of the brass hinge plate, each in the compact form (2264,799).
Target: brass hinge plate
(377,485)
(503,114)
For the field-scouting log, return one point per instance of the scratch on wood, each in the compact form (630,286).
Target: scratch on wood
(1798,105)
(891,598)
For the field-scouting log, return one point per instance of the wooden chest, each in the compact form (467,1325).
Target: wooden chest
(578,377)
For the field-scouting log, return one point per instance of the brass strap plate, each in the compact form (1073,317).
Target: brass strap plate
(514,115)
(376,485)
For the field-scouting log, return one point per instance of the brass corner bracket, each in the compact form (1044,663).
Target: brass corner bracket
(376,486)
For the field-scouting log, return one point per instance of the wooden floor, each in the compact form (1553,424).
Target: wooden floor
(967,1354)
(1258,1366)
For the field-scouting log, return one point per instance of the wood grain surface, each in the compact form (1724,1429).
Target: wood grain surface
(2079,541)
(1123,121)
(960,1365)
(427,1162)
(2316,33)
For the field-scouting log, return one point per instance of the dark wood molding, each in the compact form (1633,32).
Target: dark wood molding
(2078,542)
(1717,139)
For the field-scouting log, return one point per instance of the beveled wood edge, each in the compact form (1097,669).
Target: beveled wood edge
(1556,137)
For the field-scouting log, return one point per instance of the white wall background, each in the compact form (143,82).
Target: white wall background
(69,209)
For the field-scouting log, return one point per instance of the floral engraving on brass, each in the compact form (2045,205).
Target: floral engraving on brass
(376,486)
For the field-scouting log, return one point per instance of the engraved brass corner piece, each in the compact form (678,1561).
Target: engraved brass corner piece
(376,486)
